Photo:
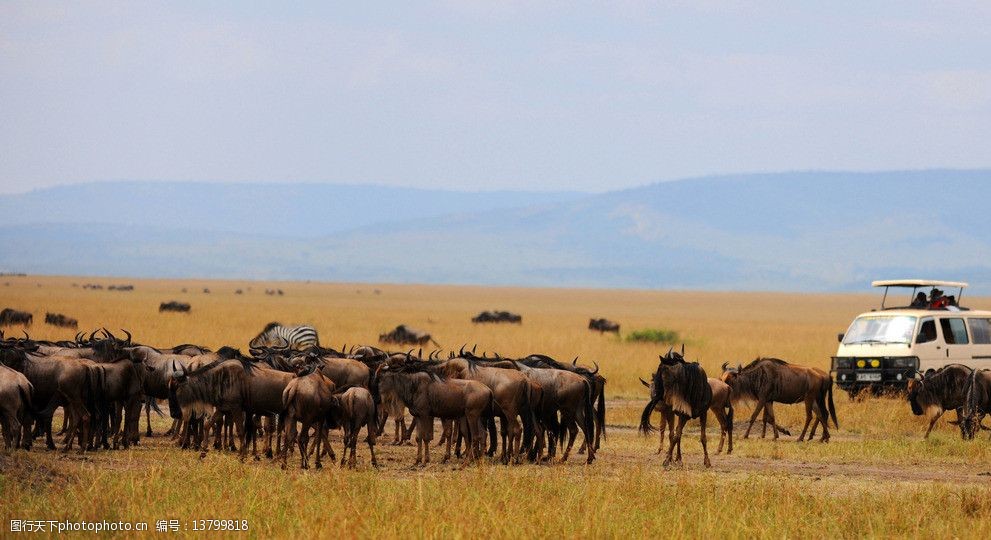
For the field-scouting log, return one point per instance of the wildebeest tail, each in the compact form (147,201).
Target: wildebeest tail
(25,392)
(832,406)
(645,426)
(153,405)
(600,412)
(589,424)
(527,415)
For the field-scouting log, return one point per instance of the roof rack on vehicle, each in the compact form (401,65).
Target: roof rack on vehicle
(916,284)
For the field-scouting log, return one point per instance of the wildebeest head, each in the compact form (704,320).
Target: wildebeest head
(915,386)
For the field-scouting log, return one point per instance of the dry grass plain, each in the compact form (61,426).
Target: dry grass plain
(876,478)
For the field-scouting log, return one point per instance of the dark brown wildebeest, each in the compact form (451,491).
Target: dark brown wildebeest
(118,403)
(597,381)
(57,319)
(58,381)
(497,317)
(603,326)
(429,396)
(352,409)
(721,407)
(180,307)
(561,392)
(308,399)
(10,316)
(977,403)
(511,392)
(941,391)
(405,335)
(238,387)
(684,389)
(15,408)
(769,380)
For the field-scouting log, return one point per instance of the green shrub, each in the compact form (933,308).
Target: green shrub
(654,335)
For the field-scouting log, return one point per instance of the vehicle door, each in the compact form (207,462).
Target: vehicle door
(957,348)
(980,338)
(929,346)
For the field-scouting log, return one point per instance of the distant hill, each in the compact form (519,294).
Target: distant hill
(281,210)
(823,231)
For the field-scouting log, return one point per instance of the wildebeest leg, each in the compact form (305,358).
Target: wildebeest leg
(304,443)
(753,418)
(446,436)
(660,442)
(290,439)
(721,420)
(318,438)
(823,415)
(269,423)
(148,415)
(673,440)
(705,451)
(572,434)
(47,426)
(493,442)
(370,439)
(808,420)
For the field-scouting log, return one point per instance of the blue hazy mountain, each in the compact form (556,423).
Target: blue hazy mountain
(806,231)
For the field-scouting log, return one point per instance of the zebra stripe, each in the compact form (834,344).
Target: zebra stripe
(298,337)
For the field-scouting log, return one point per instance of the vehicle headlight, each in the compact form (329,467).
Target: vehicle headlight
(861,363)
(908,362)
(875,363)
(844,363)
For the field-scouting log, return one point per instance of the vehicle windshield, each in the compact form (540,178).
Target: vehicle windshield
(881,330)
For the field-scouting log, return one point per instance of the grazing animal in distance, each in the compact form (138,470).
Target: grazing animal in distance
(944,390)
(57,319)
(405,335)
(179,307)
(497,317)
(603,326)
(10,316)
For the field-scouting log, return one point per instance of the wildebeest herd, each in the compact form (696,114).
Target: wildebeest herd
(289,391)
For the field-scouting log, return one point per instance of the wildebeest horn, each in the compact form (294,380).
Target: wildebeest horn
(739,367)
(128,336)
(643,382)
(671,350)
(682,349)
(93,334)
(473,348)
(462,351)
(596,367)
(723,367)
(419,353)
(575,362)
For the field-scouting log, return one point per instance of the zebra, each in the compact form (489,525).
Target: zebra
(297,338)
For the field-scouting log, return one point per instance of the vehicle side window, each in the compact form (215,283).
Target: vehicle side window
(954,331)
(980,330)
(927,331)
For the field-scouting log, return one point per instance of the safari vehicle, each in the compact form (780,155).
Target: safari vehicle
(884,348)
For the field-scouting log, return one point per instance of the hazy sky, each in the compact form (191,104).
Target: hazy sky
(486,95)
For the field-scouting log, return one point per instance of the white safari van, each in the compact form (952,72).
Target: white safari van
(885,347)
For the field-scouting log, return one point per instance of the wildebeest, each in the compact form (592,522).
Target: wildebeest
(120,288)
(240,387)
(561,392)
(769,380)
(941,391)
(10,316)
(721,406)
(70,383)
(597,381)
(405,335)
(684,389)
(977,403)
(15,408)
(307,399)
(352,409)
(296,338)
(603,325)
(497,317)
(181,307)
(429,395)
(57,319)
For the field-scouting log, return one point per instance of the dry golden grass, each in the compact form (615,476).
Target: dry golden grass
(877,477)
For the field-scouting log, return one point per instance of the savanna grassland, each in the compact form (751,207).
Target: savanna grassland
(877,477)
